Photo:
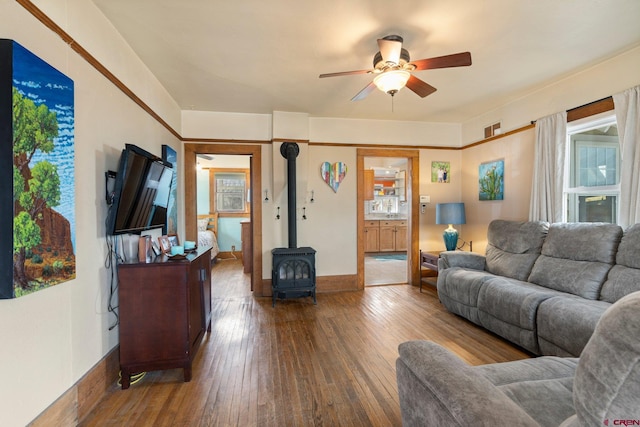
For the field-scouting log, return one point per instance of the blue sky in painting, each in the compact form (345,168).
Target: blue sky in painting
(43,84)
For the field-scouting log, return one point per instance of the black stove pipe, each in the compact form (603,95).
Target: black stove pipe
(290,151)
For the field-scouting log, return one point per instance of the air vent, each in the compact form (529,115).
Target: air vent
(492,130)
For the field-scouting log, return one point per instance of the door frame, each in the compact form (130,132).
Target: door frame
(413,178)
(190,199)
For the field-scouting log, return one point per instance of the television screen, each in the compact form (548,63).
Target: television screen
(141,192)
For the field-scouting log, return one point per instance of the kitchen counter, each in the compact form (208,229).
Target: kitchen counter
(376,217)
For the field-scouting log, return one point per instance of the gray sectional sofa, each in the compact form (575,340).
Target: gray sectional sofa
(542,286)
(602,387)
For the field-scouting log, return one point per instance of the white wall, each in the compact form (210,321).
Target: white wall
(51,338)
(597,82)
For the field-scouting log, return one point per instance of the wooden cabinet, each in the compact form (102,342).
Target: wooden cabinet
(368,184)
(165,308)
(247,251)
(393,235)
(372,236)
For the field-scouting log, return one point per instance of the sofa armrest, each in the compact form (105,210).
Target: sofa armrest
(461,259)
(438,388)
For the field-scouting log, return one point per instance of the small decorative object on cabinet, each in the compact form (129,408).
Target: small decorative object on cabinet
(165,307)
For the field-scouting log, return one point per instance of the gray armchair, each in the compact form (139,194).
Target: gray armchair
(436,388)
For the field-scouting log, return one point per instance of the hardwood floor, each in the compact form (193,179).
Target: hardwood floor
(298,364)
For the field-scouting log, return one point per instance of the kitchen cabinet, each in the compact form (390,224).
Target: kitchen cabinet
(164,308)
(393,235)
(372,236)
(368,184)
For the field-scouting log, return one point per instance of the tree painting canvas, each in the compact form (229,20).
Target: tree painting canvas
(37,210)
(491,180)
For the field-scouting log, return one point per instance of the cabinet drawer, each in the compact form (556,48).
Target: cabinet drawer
(393,223)
(371,223)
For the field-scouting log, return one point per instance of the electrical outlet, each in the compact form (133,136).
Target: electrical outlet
(233,248)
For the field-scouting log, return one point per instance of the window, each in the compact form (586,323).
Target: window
(230,191)
(593,189)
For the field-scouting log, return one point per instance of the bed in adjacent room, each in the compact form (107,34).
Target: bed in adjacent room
(208,232)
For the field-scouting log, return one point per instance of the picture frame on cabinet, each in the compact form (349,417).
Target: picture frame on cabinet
(165,244)
(174,240)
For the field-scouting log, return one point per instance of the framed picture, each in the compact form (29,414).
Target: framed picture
(170,155)
(440,171)
(37,197)
(165,244)
(491,180)
(156,249)
(173,239)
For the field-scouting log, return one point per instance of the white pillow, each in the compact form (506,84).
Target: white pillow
(202,224)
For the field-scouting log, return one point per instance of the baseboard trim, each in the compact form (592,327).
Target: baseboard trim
(324,284)
(81,398)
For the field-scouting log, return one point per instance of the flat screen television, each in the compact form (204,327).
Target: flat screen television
(140,192)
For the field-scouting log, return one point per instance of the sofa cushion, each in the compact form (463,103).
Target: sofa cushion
(565,324)
(607,381)
(508,307)
(513,247)
(624,277)
(436,388)
(576,258)
(555,396)
(458,290)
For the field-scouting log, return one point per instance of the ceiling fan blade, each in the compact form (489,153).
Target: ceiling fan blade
(421,88)
(390,50)
(364,92)
(462,59)
(345,73)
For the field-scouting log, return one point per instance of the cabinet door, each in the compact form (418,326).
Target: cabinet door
(196,303)
(371,239)
(401,238)
(153,308)
(387,237)
(206,289)
(368,184)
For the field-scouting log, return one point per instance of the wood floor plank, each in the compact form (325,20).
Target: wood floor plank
(298,363)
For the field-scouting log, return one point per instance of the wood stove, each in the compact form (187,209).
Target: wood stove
(293,269)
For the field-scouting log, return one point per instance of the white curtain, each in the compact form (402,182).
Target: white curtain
(627,107)
(548,168)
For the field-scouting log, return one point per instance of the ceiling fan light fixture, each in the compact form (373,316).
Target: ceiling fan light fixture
(391,81)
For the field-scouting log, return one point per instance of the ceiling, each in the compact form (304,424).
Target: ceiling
(257,56)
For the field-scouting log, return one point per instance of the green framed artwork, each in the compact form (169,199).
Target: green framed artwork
(37,173)
(491,180)
(440,172)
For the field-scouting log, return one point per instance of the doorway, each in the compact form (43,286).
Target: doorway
(253,152)
(402,211)
(385,214)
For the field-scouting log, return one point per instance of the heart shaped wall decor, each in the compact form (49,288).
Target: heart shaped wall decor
(333,174)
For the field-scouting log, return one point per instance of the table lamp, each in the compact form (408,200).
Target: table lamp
(450,213)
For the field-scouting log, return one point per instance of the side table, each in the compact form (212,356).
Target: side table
(429,259)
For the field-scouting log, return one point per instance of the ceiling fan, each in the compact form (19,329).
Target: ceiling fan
(393,67)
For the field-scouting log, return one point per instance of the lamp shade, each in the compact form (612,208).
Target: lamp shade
(391,81)
(450,213)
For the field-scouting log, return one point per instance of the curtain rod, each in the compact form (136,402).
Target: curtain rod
(588,109)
